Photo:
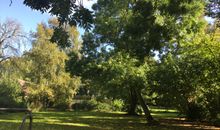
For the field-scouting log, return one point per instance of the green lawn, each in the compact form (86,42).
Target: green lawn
(90,121)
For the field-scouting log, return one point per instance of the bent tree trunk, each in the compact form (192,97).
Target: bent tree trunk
(148,116)
(132,102)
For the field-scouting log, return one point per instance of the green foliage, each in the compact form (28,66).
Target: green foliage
(10,92)
(117,105)
(102,106)
(121,72)
(61,37)
(46,79)
(49,81)
(85,105)
(194,70)
(196,111)
(65,36)
(138,27)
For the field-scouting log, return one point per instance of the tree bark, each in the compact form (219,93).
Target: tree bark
(132,102)
(147,113)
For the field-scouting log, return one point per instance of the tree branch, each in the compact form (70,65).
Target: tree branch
(10,2)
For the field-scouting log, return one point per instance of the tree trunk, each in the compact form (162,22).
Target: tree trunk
(148,116)
(132,102)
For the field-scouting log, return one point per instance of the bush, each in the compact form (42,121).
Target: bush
(85,105)
(62,106)
(103,107)
(10,93)
(117,105)
(196,111)
(93,104)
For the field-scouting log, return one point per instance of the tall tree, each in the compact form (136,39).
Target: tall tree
(140,27)
(45,74)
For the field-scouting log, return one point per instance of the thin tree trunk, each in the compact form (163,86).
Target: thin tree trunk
(147,113)
(132,102)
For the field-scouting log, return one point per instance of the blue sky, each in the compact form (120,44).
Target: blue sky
(24,15)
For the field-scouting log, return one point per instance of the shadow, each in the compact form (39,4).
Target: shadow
(94,121)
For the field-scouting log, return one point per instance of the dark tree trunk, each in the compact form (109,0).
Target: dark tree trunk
(147,113)
(132,102)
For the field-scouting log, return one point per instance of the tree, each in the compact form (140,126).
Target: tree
(126,79)
(65,36)
(194,70)
(45,74)
(140,27)
(11,39)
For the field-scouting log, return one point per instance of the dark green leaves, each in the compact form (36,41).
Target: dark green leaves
(83,17)
(61,37)
(41,5)
(67,11)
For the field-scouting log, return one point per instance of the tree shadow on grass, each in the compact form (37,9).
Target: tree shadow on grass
(106,121)
(90,121)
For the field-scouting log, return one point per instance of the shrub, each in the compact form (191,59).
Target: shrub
(62,106)
(196,111)
(87,105)
(105,105)
(117,105)
(10,93)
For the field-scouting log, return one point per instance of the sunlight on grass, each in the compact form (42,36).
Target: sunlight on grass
(153,109)
(97,117)
(88,121)
(69,124)
(10,121)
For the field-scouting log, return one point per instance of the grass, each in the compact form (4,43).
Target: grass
(88,121)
